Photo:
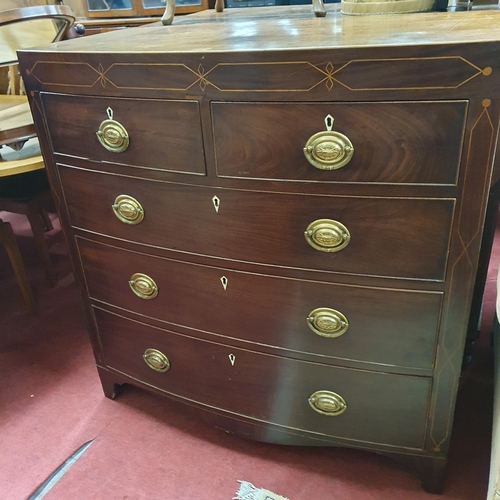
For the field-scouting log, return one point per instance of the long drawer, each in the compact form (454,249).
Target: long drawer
(394,237)
(380,408)
(162,135)
(383,326)
(392,142)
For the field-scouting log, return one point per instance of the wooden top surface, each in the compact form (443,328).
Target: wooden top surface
(16,120)
(29,158)
(8,101)
(14,112)
(116,21)
(291,28)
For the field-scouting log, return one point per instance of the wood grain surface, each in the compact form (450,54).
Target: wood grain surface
(387,327)
(268,388)
(164,135)
(294,27)
(269,228)
(393,142)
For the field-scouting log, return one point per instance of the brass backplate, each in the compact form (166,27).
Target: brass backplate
(327,322)
(128,209)
(327,403)
(156,360)
(143,286)
(112,134)
(327,235)
(328,150)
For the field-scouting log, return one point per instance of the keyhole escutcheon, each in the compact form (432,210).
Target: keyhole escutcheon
(216,202)
(224,282)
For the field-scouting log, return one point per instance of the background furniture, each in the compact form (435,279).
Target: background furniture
(494,483)
(29,194)
(280,223)
(8,239)
(24,187)
(94,26)
(24,190)
(131,8)
(40,24)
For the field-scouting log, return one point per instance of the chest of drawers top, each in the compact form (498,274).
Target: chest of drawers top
(278,53)
(291,28)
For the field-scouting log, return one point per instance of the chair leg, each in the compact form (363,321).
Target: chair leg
(47,223)
(7,236)
(35,220)
(44,200)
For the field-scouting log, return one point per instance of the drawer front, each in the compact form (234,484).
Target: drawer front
(383,326)
(393,237)
(394,142)
(162,135)
(381,408)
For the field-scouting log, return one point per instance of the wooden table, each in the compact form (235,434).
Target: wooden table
(19,162)
(16,121)
(16,126)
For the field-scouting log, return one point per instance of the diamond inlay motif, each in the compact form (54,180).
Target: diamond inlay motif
(447,72)
(203,81)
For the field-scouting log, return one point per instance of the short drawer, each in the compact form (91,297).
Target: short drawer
(388,327)
(162,135)
(380,408)
(395,237)
(392,142)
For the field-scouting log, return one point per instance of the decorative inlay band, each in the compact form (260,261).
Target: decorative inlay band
(425,73)
(462,275)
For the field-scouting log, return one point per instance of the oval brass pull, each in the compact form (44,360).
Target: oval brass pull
(327,235)
(327,322)
(328,150)
(156,360)
(327,403)
(128,209)
(112,134)
(143,286)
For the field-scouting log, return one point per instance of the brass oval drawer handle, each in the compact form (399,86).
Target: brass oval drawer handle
(328,150)
(156,360)
(327,403)
(128,209)
(113,135)
(143,286)
(327,235)
(327,322)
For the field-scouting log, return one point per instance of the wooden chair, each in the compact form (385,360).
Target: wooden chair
(24,187)
(8,239)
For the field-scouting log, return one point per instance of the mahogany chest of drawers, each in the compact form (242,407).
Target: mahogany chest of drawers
(277,218)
